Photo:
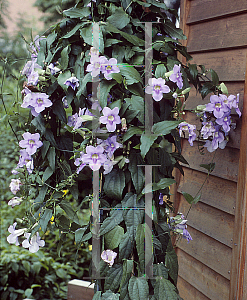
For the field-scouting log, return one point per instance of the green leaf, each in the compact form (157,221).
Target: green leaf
(110,42)
(140,238)
(113,237)
(160,270)
(45,148)
(197,198)
(164,290)
(77,12)
(73,31)
(165,127)
(45,218)
(97,296)
(117,76)
(223,88)
(137,103)
(170,28)
(62,78)
(27,266)
(126,245)
(65,57)
(215,77)
(119,19)
(113,277)
(209,167)
(103,91)
(109,295)
(61,273)
(82,88)
(51,155)
(127,271)
(138,288)
(79,233)
(188,197)
(28,292)
(132,131)
(111,222)
(171,262)
(47,174)
(86,34)
(146,142)
(130,73)
(66,206)
(59,111)
(160,71)
(136,171)
(114,184)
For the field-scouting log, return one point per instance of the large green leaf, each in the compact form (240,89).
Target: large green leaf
(170,28)
(140,238)
(109,223)
(119,19)
(66,206)
(62,78)
(109,295)
(97,296)
(126,245)
(73,31)
(113,277)
(136,171)
(171,262)
(137,103)
(127,271)
(47,174)
(164,289)
(45,218)
(113,237)
(147,141)
(165,127)
(114,184)
(77,12)
(103,91)
(65,57)
(132,131)
(130,73)
(79,233)
(138,288)
(51,155)
(160,71)
(162,184)
(59,110)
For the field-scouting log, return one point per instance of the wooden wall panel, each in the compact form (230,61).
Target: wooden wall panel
(217,192)
(218,34)
(202,10)
(187,291)
(229,64)
(210,221)
(208,251)
(205,280)
(226,161)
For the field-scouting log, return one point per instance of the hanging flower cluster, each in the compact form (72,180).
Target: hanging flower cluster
(178,225)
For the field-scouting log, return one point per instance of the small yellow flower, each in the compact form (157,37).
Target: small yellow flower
(52,219)
(65,192)
(90,247)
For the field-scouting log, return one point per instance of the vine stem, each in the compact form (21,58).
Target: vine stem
(4,73)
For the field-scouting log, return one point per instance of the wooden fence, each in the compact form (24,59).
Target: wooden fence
(212,266)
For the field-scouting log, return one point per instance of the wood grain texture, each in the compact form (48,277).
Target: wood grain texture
(234,88)
(217,192)
(184,11)
(209,220)
(80,291)
(208,251)
(238,289)
(202,10)
(234,134)
(205,280)
(218,34)
(229,64)
(188,292)
(226,160)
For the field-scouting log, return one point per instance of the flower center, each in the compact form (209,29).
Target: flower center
(31,142)
(95,156)
(216,134)
(111,118)
(185,127)
(218,105)
(208,125)
(39,100)
(108,68)
(225,119)
(157,87)
(97,65)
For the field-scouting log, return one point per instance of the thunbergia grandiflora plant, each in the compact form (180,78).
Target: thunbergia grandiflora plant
(86,97)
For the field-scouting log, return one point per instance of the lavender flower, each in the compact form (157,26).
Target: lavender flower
(218,141)
(15,201)
(94,157)
(72,120)
(161,199)
(65,102)
(33,78)
(35,46)
(181,228)
(95,64)
(109,67)
(109,256)
(53,69)
(225,122)
(207,129)
(108,166)
(29,67)
(79,162)
(39,101)
(157,87)
(217,106)
(110,145)
(72,82)
(34,243)
(110,118)
(184,126)
(177,76)
(233,103)
(186,235)
(15,185)
(13,237)
(31,142)
(93,50)
(24,160)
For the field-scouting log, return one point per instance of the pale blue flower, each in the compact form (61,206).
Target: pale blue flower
(95,64)
(15,201)
(13,237)
(110,118)
(109,256)
(31,142)
(225,122)
(73,82)
(207,129)
(94,156)
(34,243)
(15,185)
(184,126)
(176,77)
(109,67)
(157,88)
(217,106)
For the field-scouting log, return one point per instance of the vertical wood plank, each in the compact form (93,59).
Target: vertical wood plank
(238,287)
(184,12)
